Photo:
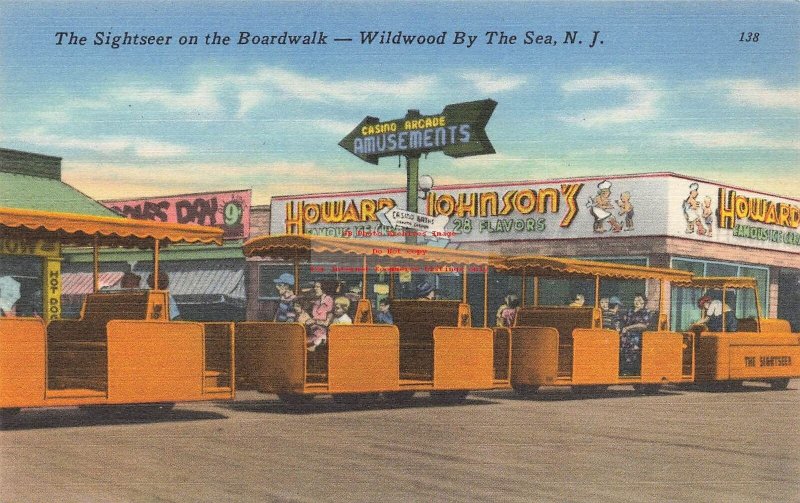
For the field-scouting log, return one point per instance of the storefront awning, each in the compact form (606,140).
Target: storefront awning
(81,283)
(560,267)
(81,229)
(290,247)
(192,279)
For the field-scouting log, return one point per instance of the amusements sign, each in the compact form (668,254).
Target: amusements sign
(230,211)
(458,131)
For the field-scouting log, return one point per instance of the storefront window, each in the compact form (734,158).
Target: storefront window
(684,300)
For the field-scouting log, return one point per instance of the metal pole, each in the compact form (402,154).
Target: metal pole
(464,286)
(156,250)
(364,279)
(95,266)
(486,296)
(412,189)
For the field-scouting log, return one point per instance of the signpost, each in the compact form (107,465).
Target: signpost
(458,131)
(431,227)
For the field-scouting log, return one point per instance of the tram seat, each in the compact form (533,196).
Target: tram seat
(77,349)
(416,320)
(565,320)
(747,325)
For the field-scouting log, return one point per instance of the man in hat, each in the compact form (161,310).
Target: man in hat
(426,291)
(284,284)
(713,311)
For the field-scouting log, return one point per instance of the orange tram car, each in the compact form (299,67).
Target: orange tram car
(429,344)
(360,319)
(124,350)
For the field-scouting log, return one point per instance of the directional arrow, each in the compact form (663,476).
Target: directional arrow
(425,224)
(458,131)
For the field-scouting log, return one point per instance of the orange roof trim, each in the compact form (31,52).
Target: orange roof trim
(289,247)
(80,229)
(554,266)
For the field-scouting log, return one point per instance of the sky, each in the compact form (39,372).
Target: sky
(674,86)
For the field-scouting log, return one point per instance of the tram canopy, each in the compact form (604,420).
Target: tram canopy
(299,247)
(535,265)
(724,282)
(83,230)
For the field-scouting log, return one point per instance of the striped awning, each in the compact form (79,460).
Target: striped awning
(81,283)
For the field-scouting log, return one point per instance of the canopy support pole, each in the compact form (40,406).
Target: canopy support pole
(536,290)
(485,296)
(296,285)
(95,265)
(464,287)
(156,257)
(364,278)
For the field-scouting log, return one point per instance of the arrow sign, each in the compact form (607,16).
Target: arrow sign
(430,226)
(458,131)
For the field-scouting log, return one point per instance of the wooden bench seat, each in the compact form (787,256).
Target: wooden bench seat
(416,320)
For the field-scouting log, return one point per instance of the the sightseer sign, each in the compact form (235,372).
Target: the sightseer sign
(458,131)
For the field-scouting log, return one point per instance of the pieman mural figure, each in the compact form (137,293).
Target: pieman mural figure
(693,212)
(600,207)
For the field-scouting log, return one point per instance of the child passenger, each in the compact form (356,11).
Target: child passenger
(340,307)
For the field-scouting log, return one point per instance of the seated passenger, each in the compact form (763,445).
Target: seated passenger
(579,301)
(612,318)
(507,312)
(636,321)
(340,316)
(321,314)
(163,284)
(284,284)
(425,291)
(130,281)
(714,311)
(384,315)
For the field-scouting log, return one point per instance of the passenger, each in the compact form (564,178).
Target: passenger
(426,291)
(301,315)
(163,284)
(384,312)
(321,314)
(340,316)
(130,281)
(579,301)
(284,284)
(714,311)
(635,321)
(507,312)
(9,295)
(611,314)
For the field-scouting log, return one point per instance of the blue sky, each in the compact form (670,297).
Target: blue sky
(671,89)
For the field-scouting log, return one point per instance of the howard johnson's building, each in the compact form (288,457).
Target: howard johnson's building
(656,219)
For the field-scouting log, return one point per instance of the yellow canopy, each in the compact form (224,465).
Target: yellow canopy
(534,265)
(80,229)
(291,247)
(724,282)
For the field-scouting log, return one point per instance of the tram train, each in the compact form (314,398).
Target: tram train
(441,339)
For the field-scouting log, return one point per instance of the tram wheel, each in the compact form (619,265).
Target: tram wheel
(398,397)
(449,397)
(647,389)
(7,413)
(779,383)
(589,390)
(525,389)
(294,398)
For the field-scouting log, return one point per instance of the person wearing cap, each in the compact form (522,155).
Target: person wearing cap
(284,284)
(713,311)
(425,291)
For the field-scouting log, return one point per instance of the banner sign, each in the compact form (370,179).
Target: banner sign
(597,208)
(229,211)
(458,131)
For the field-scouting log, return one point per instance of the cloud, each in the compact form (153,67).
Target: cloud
(641,105)
(204,97)
(107,145)
(122,180)
(730,140)
(758,93)
(487,83)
